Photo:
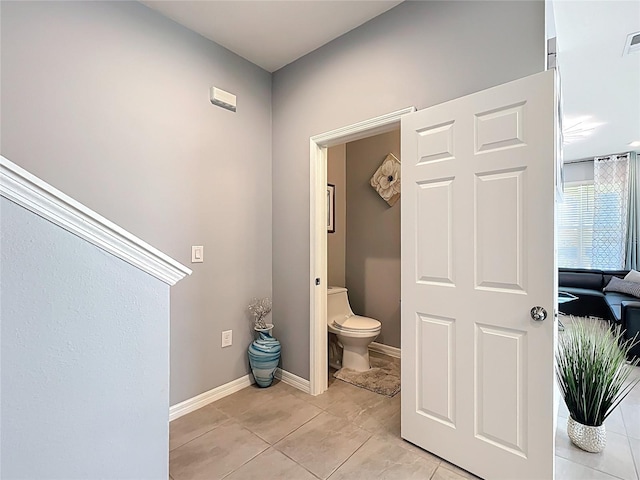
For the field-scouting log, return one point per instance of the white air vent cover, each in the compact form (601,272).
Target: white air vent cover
(632,44)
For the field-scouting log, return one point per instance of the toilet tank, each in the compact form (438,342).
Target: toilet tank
(337,304)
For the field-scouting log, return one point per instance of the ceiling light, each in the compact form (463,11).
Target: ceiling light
(578,128)
(635,143)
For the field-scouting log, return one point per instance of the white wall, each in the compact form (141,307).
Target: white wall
(84,358)
(109,102)
(578,172)
(419,53)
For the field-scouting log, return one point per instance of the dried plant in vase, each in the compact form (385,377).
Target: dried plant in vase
(260,308)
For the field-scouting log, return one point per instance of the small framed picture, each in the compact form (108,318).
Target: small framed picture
(331,208)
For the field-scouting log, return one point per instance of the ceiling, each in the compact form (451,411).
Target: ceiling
(600,85)
(272,34)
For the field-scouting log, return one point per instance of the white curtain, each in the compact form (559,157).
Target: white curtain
(611,190)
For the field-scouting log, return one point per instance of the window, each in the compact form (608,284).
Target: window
(575,226)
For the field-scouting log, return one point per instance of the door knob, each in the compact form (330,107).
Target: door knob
(538,314)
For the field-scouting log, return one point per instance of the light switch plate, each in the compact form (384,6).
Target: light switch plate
(227,338)
(197,254)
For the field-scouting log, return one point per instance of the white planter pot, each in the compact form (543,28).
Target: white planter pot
(590,439)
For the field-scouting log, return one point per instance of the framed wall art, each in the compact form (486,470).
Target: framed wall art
(331,208)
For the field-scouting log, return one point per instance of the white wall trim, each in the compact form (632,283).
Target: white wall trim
(318,233)
(368,128)
(199,401)
(28,191)
(293,380)
(385,349)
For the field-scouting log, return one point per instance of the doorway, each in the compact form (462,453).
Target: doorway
(318,233)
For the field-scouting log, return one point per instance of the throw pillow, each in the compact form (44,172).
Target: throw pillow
(633,276)
(623,286)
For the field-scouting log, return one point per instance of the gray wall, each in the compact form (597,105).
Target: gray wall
(373,238)
(109,102)
(419,53)
(337,241)
(84,358)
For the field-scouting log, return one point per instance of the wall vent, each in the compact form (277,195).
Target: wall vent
(632,45)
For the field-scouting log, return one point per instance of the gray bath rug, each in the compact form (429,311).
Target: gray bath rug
(382,378)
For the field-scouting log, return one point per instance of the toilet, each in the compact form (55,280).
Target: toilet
(354,332)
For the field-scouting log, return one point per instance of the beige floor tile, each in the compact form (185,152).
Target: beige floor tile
(250,398)
(271,465)
(215,454)
(323,444)
(194,424)
(563,412)
(278,417)
(443,473)
(635,451)
(568,470)
(377,459)
(455,469)
(399,441)
(614,422)
(616,459)
(630,408)
(383,417)
(350,401)
(337,392)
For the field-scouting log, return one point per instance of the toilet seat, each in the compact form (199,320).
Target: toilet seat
(356,324)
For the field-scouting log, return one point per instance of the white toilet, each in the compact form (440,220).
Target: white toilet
(354,332)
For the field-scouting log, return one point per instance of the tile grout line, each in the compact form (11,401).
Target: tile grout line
(299,464)
(633,458)
(204,433)
(354,452)
(293,431)
(590,468)
(255,456)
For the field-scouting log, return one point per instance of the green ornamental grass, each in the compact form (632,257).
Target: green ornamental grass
(592,370)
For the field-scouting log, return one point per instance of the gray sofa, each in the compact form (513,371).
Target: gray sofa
(617,308)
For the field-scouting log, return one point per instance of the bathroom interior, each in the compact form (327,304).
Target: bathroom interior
(363,259)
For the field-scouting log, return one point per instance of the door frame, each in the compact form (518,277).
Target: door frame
(318,361)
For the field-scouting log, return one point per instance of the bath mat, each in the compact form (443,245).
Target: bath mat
(382,378)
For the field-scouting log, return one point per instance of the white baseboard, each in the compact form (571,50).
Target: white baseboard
(385,349)
(293,380)
(191,404)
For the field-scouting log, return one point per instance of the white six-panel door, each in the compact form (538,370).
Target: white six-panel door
(477,255)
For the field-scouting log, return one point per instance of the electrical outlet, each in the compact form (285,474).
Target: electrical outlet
(227,338)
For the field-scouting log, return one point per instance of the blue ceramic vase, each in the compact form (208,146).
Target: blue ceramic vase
(264,355)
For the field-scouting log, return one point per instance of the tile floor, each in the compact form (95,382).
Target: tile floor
(351,433)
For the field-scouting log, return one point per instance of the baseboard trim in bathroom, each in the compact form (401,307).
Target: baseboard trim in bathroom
(194,403)
(385,349)
(293,380)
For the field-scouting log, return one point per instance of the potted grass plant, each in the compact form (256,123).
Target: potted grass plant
(593,376)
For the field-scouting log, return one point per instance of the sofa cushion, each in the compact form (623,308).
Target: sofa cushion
(632,276)
(589,303)
(615,298)
(580,279)
(582,292)
(623,286)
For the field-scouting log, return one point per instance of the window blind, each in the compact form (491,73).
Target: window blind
(575,226)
